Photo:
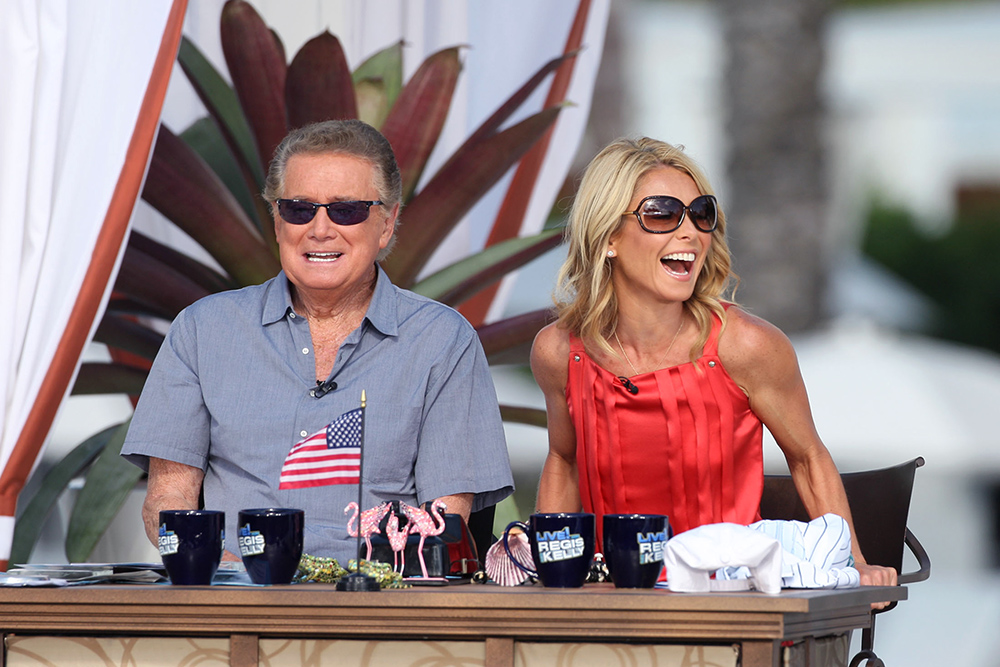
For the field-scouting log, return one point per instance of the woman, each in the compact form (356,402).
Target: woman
(657,390)
(253,398)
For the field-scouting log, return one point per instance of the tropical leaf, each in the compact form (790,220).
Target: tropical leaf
(204,137)
(184,189)
(453,191)
(415,121)
(125,333)
(109,378)
(509,341)
(457,282)
(38,507)
(522,415)
(378,81)
(373,102)
(200,274)
(256,64)
(159,288)
(109,481)
(514,102)
(319,84)
(120,304)
(224,107)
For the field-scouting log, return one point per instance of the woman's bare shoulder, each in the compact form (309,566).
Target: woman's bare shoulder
(748,341)
(550,354)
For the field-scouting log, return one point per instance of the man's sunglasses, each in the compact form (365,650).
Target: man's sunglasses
(300,212)
(661,214)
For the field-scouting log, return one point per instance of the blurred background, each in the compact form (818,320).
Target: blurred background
(856,148)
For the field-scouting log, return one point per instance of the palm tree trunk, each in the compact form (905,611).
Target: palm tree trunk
(777,181)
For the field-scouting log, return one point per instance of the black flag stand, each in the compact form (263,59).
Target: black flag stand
(357,581)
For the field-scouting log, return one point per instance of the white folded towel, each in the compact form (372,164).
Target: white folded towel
(694,555)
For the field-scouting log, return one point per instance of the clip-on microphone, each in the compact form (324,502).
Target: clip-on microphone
(322,388)
(632,389)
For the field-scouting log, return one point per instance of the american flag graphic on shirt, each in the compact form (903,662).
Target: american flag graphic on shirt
(330,456)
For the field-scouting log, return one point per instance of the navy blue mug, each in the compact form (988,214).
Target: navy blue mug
(191,543)
(270,541)
(633,548)
(562,546)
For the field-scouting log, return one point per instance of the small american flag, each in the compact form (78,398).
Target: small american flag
(330,456)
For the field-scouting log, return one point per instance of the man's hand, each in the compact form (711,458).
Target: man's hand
(876,575)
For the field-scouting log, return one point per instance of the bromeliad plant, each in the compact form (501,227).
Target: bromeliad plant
(206,181)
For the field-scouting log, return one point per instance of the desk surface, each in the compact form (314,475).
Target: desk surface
(597,610)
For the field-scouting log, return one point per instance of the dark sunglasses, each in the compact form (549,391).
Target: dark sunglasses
(661,214)
(300,212)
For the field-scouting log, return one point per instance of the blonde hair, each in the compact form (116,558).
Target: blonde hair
(585,298)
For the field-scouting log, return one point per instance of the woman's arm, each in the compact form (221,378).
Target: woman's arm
(558,489)
(761,360)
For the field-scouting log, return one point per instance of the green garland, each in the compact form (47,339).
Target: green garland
(328,571)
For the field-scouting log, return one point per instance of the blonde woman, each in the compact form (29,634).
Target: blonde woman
(657,388)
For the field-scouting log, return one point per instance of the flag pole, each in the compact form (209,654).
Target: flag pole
(357,581)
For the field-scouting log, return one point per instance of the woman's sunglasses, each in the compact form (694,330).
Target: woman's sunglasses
(661,214)
(300,212)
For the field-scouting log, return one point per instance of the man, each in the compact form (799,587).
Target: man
(254,396)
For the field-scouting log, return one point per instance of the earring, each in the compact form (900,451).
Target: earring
(611,253)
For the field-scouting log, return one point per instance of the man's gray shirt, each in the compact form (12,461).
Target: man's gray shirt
(232,390)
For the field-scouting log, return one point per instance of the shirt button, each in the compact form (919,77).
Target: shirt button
(711,364)
(291,315)
(305,350)
(576,357)
(303,433)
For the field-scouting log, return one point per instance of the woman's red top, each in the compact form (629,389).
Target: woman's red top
(686,445)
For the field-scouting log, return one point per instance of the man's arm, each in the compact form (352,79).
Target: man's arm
(171,486)
(459,503)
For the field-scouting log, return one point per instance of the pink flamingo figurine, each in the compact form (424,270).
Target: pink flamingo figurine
(397,540)
(425,524)
(370,519)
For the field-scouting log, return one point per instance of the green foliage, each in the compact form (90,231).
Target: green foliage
(957,270)
(108,484)
(40,505)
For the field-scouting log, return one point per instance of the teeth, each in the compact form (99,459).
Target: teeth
(680,256)
(323,256)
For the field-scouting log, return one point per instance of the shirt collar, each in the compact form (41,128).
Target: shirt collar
(381,311)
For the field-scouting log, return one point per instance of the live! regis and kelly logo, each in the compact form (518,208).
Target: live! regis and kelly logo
(651,546)
(556,545)
(251,541)
(169,543)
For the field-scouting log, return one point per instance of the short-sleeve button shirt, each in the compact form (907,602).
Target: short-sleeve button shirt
(232,389)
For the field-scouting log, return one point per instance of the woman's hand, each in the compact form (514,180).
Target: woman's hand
(876,575)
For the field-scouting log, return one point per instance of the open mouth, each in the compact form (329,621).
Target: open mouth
(678,263)
(323,256)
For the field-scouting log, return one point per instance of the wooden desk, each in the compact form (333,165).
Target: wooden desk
(497,617)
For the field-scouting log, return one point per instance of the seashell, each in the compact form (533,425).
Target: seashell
(498,565)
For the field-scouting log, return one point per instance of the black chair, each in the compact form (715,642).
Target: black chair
(880,502)
(481,527)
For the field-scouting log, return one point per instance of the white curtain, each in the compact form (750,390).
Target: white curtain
(74,76)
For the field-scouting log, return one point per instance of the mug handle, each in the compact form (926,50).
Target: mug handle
(506,547)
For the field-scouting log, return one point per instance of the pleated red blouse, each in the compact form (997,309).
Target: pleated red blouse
(686,445)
